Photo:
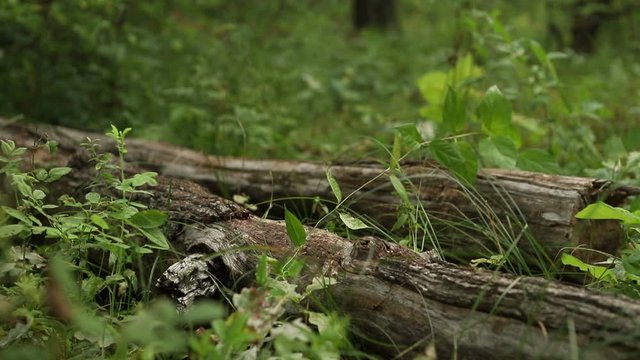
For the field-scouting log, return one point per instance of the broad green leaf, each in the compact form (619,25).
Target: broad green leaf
(598,272)
(11,230)
(433,88)
(614,148)
(17,215)
(149,219)
(470,168)
(319,283)
(56,173)
(41,174)
(495,113)
(464,71)
(410,136)
(601,211)
(144,178)
(498,152)
(99,221)
(7,146)
(295,230)
(292,267)
(352,222)
(537,160)
(454,114)
(39,194)
(320,320)
(333,183)
(631,262)
(399,188)
(462,163)
(92,197)
(156,236)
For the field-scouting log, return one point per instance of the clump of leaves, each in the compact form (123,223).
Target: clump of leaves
(115,228)
(623,272)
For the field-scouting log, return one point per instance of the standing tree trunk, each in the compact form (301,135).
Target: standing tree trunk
(379,14)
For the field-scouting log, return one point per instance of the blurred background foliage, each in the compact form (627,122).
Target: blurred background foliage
(297,79)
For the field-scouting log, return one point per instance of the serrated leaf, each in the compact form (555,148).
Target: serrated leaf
(454,114)
(99,221)
(352,222)
(333,183)
(295,229)
(56,173)
(495,113)
(498,152)
(11,230)
(148,219)
(399,188)
(602,211)
(537,160)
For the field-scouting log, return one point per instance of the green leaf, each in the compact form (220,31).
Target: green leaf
(92,197)
(495,113)
(598,272)
(41,174)
(498,152)
(148,219)
(56,173)
(399,188)
(433,88)
(17,215)
(11,230)
(295,230)
(601,211)
(631,262)
(262,270)
(156,236)
(333,183)
(457,157)
(39,194)
(537,160)
(454,114)
(99,221)
(143,179)
(410,136)
(542,57)
(7,146)
(352,222)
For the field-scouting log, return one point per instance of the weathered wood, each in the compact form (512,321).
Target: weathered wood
(506,207)
(398,300)
(401,301)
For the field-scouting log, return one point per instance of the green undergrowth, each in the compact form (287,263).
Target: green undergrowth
(77,278)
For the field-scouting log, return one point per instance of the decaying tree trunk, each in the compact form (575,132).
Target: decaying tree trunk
(507,206)
(398,301)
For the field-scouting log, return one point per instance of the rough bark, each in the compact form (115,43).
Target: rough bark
(398,301)
(532,209)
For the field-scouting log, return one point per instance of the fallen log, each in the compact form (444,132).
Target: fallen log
(398,301)
(535,211)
